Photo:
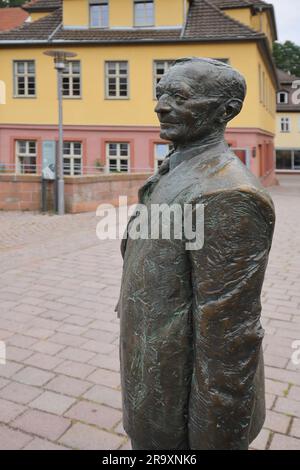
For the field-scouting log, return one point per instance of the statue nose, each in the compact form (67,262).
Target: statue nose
(163,105)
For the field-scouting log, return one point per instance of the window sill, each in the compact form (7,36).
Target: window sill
(33,97)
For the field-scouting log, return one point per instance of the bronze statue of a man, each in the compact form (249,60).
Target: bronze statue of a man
(191,339)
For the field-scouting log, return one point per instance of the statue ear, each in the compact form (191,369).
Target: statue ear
(231,108)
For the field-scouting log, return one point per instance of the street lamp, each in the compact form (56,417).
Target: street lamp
(60,60)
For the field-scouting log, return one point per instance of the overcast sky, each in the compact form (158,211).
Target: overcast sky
(288,19)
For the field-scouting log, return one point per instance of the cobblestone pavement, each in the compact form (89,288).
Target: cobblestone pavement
(59,284)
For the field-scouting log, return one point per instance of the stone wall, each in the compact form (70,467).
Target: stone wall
(82,194)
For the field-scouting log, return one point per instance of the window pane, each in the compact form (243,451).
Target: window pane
(21,146)
(123,165)
(112,150)
(112,165)
(67,148)
(284,159)
(111,68)
(77,166)
(77,148)
(31,67)
(143,12)
(161,150)
(75,66)
(67,166)
(32,147)
(297,159)
(124,150)
(20,67)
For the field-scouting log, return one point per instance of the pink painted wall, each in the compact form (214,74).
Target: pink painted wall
(141,139)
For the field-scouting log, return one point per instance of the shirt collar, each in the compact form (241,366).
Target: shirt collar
(179,156)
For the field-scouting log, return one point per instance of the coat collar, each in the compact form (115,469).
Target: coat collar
(179,156)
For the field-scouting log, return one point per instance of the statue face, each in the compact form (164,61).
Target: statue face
(188,99)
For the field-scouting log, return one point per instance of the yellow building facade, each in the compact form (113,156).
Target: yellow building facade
(287,141)
(122,49)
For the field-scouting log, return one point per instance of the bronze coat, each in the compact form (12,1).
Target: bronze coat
(190,348)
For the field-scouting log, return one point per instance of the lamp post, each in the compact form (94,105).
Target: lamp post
(60,60)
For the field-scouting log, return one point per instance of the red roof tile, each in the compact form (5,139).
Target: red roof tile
(11,18)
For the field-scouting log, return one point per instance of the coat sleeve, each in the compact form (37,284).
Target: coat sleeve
(227,276)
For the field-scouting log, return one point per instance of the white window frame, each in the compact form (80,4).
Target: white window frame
(98,3)
(158,159)
(72,156)
(285,124)
(70,75)
(26,76)
(117,76)
(27,154)
(167,63)
(117,157)
(148,22)
(286,97)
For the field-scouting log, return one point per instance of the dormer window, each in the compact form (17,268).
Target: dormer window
(98,14)
(282,97)
(143,13)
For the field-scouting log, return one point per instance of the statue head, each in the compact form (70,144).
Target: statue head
(197,97)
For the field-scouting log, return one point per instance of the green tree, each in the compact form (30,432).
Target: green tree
(11,3)
(287,57)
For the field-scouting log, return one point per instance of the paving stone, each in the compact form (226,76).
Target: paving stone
(20,393)
(9,410)
(277,422)
(9,369)
(295,429)
(83,437)
(42,424)
(281,442)
(43,361)
(47,347)
(76,354)
(92,413)
(67,340)
(33,376)
(275,387)
(260,443)
(75,369)
(104,396)
(288,406)
(11,439)
(294,393)
(52,402)
(68,385)
(42,444)
(21,341)
(3,382)
(17,354)
(105,377)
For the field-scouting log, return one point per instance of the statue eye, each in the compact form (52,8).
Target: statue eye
(179,98)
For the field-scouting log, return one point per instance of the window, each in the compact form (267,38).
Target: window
(116,79)
(26,156)
(285,124)
(296,159)
(117,157)
(24,78)
(99,14)
(160,152)
(160,68)
(72,158)
(71,85)
(288,159)
(143,13)
(282,97)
